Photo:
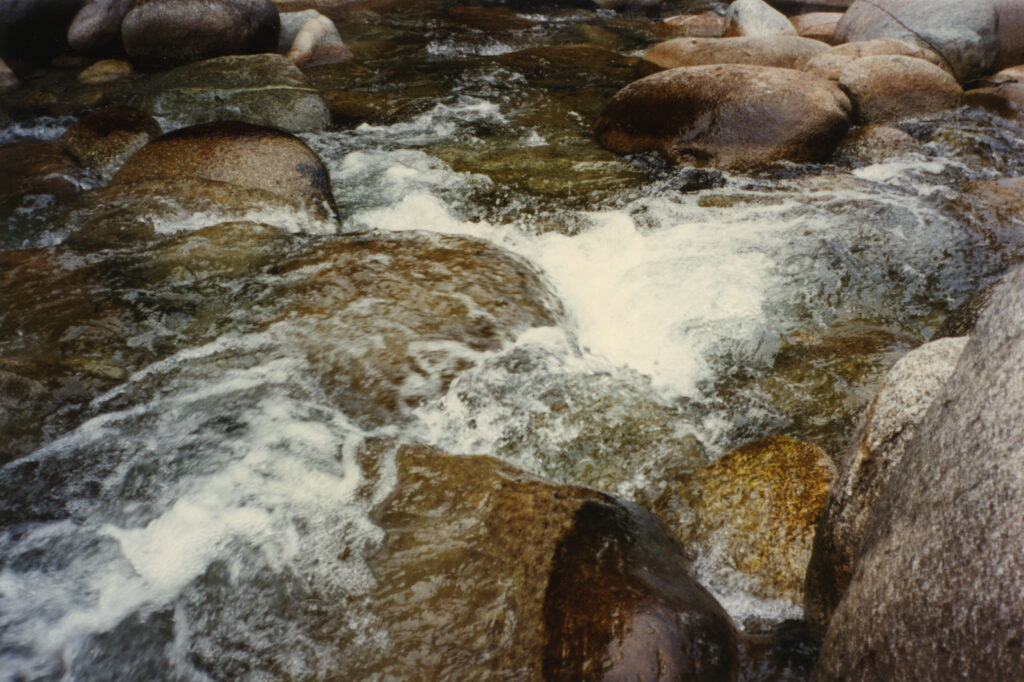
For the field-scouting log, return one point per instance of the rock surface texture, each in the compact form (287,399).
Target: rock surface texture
(756,18)
(892,87)
(788,52)
(889,426)
(729,116)
(937,579)
(98,24)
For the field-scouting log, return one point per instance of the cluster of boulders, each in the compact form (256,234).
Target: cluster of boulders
(877,63)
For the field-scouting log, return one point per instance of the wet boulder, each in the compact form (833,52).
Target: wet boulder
(830,63)
(104,139)
(875,143)
(389,320)
(728,116)
(1003,93)
(164,33)
(264,89)
(936,582)
(29,168)
(753,512)
(888,426)
(756,18)
(1009,33)
(892,87)
(97,25)
(962,32)
(238,154)
(486,570)
(316,41)
(789,52)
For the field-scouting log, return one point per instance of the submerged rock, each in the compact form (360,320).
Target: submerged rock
(754,512)
(485,569)
(789,52)
(705,25)
(892,87)
(888,426)
(389,320)
(756,18)
(876,143)
(30,168)
(729,116)
(935,590)
(962,32)
(104,139)
(239,154)
(170,32)
(264,89)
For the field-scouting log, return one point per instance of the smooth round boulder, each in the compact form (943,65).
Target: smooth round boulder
(730,116)
(962,32)
(165,33)
(891,87)
(104,139)
(98,25)
(755,509)
(708,24)
(789,52)
(937,578)
(1005,98)
(105,71)
(317,42)
(756,18)
(263,89)
(238,154)
(830,63)
(817,25)
(888,426)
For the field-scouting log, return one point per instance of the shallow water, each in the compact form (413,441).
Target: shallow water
(209,499)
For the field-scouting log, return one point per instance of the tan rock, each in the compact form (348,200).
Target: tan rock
(726,115)
(790,52)
(830,63)
(106,138)
(1005,99)
(756,18)
(817,26)
(705,25)
(1009,33)
(891,87)
(106,70)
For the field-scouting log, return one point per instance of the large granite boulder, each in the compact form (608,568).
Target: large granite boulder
(756,18)
(728,116)
(891,87)
(165,33)
(962,32)
(784,51)
(937,578)
(888,427)
(264,89)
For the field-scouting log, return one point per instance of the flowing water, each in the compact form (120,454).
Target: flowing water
(203,512)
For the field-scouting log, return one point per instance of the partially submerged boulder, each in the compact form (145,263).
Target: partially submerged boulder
(104,139)
(790,52)
(264,89)
(937,578)
(311,39)
(164,33)
(874,143)
(756,18)
(892,87)
(962,32)
(708,24)
(729,116)
(30,168)
(888,426)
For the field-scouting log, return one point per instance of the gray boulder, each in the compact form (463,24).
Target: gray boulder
(756,18)
(164,33)
(963,32)
(889,425)
(937,579)
(98,24)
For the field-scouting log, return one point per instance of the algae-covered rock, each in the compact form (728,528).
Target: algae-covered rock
(263,89)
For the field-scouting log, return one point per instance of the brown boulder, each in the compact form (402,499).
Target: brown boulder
(888,426)
(105,71)
(238,154)
(817,26)
(1009,33)
(166,33)
(830,63)
(1006,98)
(36,168)
(789,52)
(891,87)
(105,138)
(729,115)
(756,18)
